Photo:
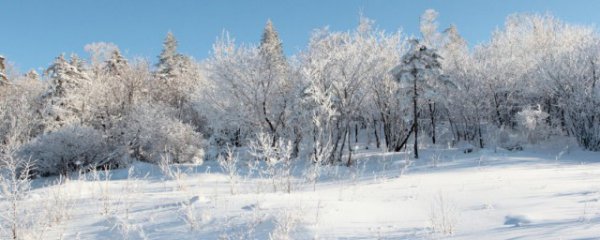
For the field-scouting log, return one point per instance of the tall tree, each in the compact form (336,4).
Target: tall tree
(63,101)
(415,72)
(168,58)
(3,78)
(274,102)
(116,64)
(177,77)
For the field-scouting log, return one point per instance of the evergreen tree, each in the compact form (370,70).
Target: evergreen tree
(169,60)
(33,75)
(271,50)
(63,101)
(415,72)
(178,76)
(116,64)
(3,78)
(275,85)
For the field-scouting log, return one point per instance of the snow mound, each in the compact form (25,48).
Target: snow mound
(516,220)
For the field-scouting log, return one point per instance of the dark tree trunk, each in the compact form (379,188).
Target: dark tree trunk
(480,136)
(356,133)
(349,162)
(297,141)
(415,117)
(432,116)
(403,142)
(345,137)
(375,126)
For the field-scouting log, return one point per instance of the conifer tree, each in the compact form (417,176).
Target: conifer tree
(417,68)
(3,78)
(169,59)
(275,85)
(63,102)
(116,64)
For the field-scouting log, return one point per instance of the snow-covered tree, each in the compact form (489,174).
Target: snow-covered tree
(276,84)
(168,58)
(64,101)
(116,64)
(418,72)
(99,52)
(338,67)
(3,77)
(177,78)
(108,93)
(253,89)
(429,29)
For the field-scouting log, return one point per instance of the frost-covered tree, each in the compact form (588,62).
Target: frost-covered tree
(438,97)
(276,84)
(169,58)
(573,82)
(338,66)
(253,89)
(64,102)
(19,120)
(419,70)
(460,106)
(99,52)
(116,64)
(429,29)
(108,93)
(3,77)
(387,105)
(177,78)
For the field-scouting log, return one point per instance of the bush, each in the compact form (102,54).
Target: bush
(532,123)
(152,133)
(68,149)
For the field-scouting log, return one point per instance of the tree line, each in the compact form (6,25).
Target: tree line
(535,79)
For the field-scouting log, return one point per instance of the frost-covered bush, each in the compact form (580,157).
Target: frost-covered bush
(532,123)
(152,133)
(68,149)
(278,160)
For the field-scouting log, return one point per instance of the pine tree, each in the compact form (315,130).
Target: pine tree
(271,49)
(276,86)
(33,75)
(63,102)
(169,59)
(116,64)
(3,78)
(178,75)
(418,67)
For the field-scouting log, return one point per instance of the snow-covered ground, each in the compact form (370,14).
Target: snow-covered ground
(539,193)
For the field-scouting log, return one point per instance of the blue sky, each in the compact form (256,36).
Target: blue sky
(32,33)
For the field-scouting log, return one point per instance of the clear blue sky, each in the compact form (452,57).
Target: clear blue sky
(32,33)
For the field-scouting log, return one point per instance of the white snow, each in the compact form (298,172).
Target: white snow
(481,195)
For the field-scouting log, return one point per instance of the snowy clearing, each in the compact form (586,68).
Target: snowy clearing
(483,195)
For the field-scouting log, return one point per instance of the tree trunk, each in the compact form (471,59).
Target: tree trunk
(349,162)
(356,133)
(415,117)
(297,141)
(403,143)
(432,115)
(345,137)
(480,136)
(377,142)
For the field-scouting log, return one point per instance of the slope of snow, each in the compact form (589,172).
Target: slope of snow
(532,194)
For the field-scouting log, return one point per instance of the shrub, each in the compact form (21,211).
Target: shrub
(68,149)
(532,123)
(152,133)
